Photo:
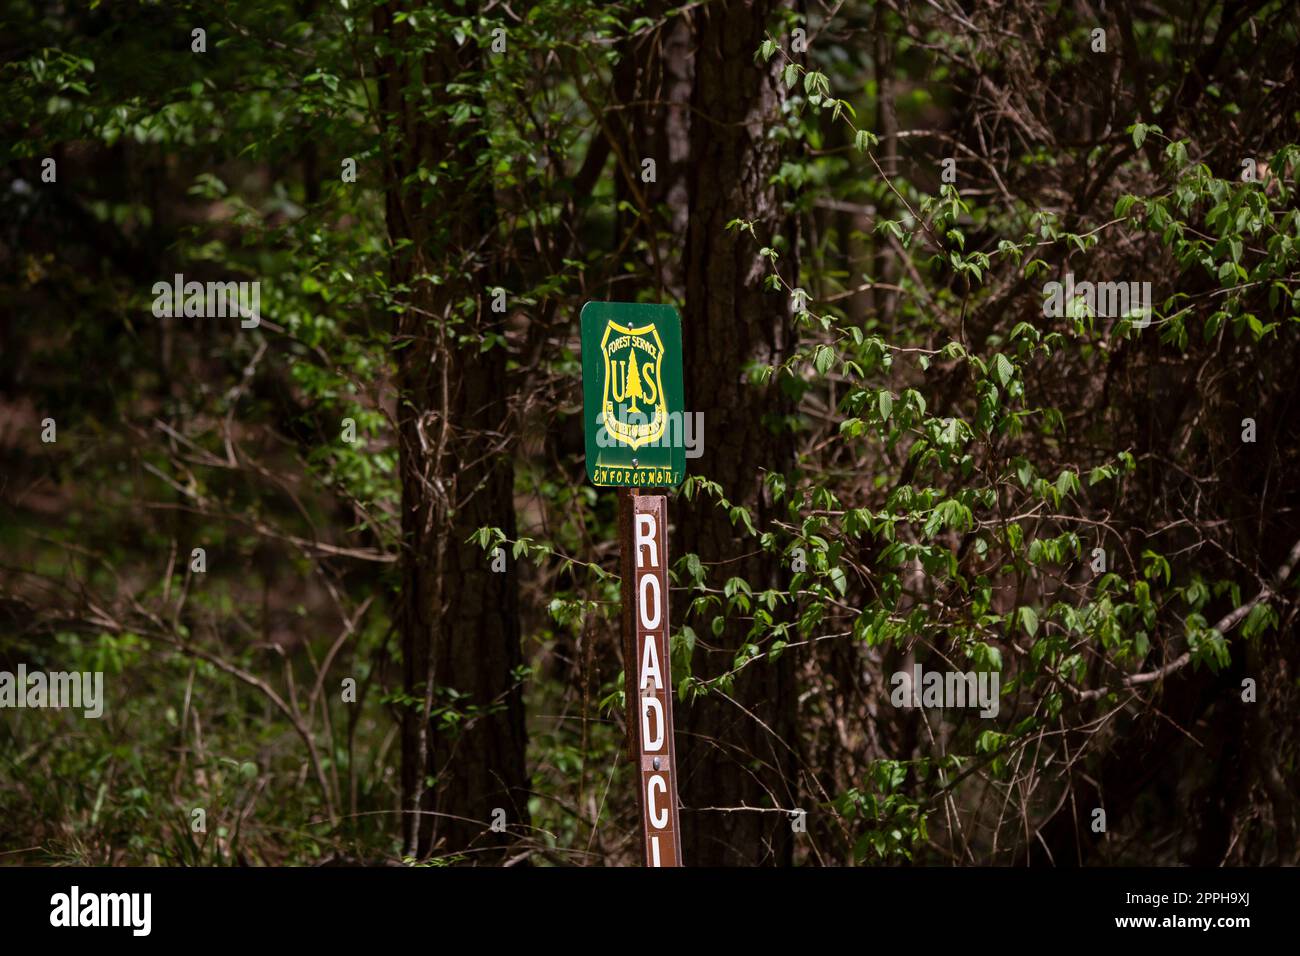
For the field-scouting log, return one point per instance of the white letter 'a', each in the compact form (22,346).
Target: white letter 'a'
(650,665)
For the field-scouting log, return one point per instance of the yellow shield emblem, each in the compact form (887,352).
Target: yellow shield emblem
(634,407)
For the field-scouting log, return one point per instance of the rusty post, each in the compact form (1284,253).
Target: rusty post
(643,537)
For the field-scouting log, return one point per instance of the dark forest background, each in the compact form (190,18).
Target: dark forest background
(856,207)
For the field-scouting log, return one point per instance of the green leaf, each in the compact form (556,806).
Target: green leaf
(1028,620)
(1003,370)
(864,140)
(823,358)
(886,404)
(838,579)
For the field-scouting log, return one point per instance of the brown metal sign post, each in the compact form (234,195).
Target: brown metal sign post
(643,535)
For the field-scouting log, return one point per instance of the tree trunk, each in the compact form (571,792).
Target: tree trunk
(735,752)
(464,731)
(653,83)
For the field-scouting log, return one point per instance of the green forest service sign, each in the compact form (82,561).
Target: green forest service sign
(632,394)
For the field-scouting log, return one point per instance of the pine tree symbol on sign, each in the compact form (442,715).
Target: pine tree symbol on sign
(633,382)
